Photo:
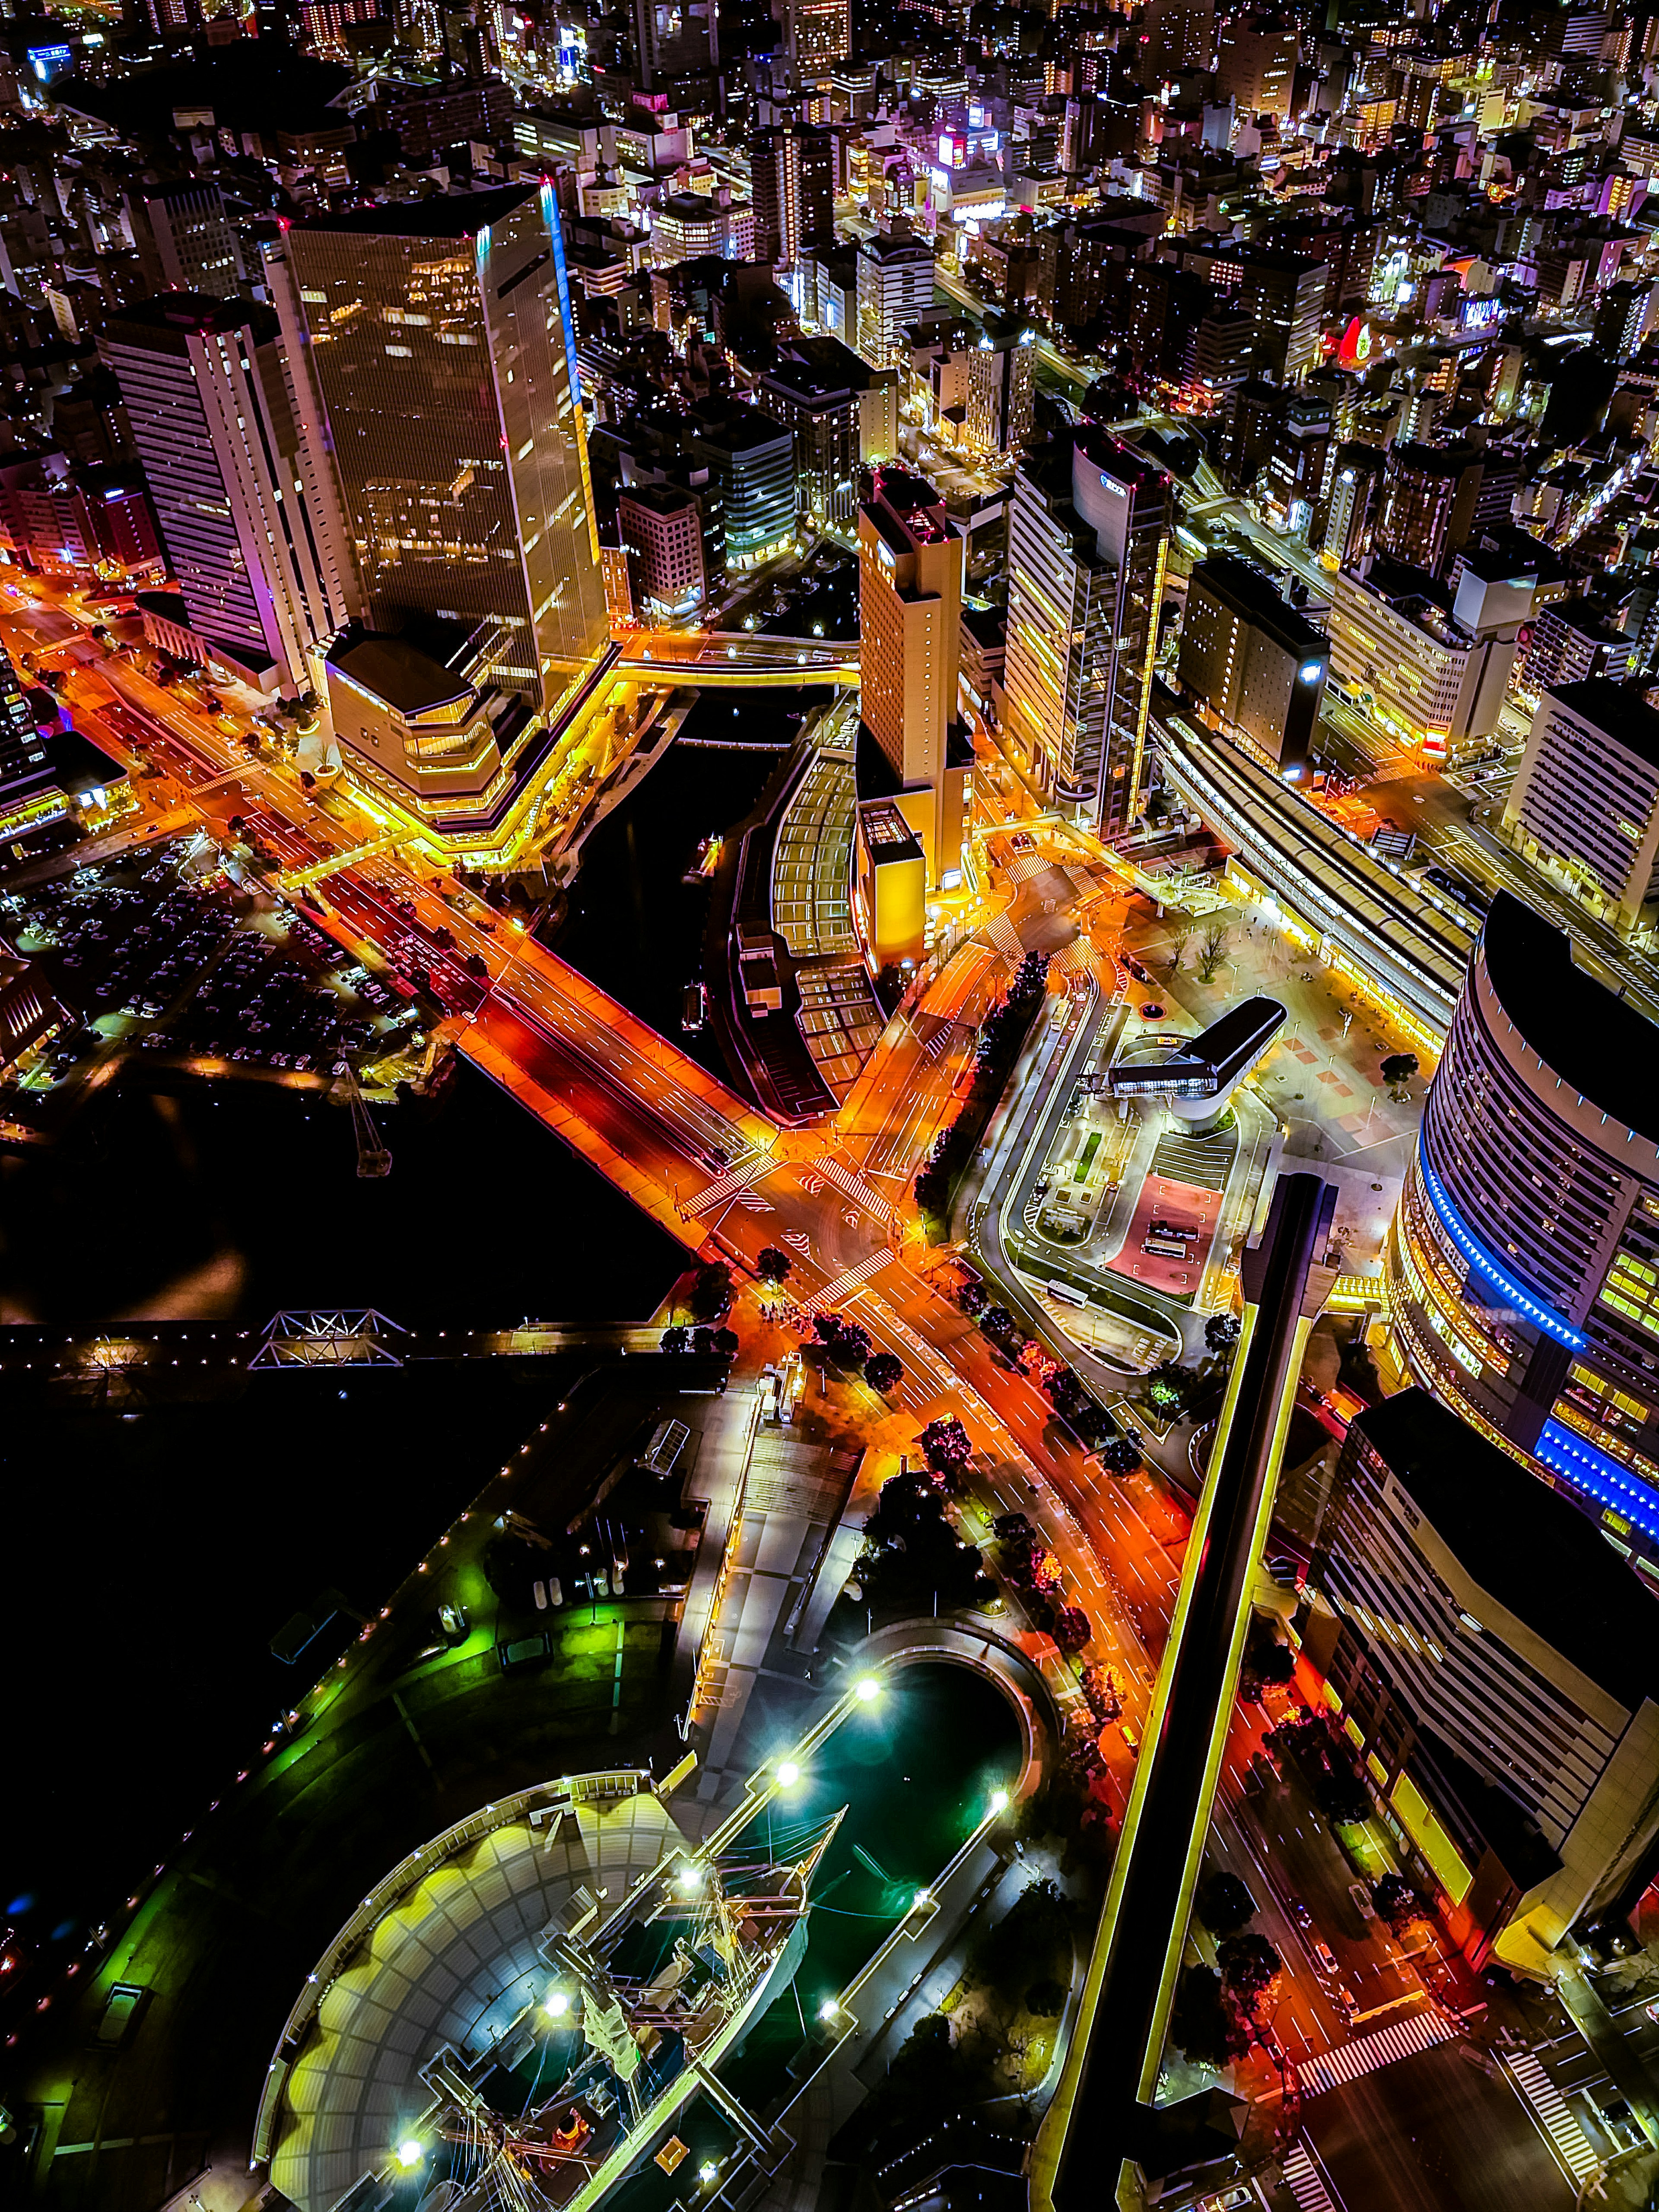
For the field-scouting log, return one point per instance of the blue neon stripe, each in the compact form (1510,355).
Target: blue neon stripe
(1564,1451)
(1524,1301)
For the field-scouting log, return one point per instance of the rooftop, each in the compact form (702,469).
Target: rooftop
(1619,710)
(1540,1558)
(446,215)
(400,673)
(1249,592)
(1594,1041)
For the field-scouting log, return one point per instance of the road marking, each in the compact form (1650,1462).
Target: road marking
(854,1279)
(850,1186)
(728,1186)
(1401,2039)
(1535,2089)
(1305,2185)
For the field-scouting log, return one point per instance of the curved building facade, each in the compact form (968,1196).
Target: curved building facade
(1524,1264)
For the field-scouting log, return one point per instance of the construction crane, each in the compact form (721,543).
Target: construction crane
(374,1159)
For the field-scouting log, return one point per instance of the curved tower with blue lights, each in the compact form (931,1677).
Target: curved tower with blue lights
(1523,1266)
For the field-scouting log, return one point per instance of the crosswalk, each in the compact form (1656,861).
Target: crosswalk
(1305,2185)
(728,1186)
(1555,2115)
(1400,2038)
(833,1294)
(1006,937)
(850,1186)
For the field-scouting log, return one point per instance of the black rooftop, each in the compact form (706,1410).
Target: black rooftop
(446,215)
(1594,1040)
(1539,1556)
(1620,710)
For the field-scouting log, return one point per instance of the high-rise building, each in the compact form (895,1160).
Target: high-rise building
(1523,1262)
(1253,662)
(1428,504)
(1492,1656)
(1256,66)
(751,459)
(818,35)
(910,557)
(1584,804)
(185,238)
(1000,392)
(22,747)
(844,415)
(894,289)
(662,530)
(793,166)
(1573,642)
(255,548)
(1356,493)
(1088,539)
(439,338)
(1432,663)
(674,40)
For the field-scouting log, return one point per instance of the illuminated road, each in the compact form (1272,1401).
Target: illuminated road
(724,1179)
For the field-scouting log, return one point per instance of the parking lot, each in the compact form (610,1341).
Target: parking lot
(161,953)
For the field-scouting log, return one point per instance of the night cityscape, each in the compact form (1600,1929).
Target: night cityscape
(829,1105)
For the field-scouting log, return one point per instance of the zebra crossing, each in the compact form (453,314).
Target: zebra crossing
(850,1186)
(728,1185)
(1400,2038)
(1304,2184)
(833,1294)
(1006,937)
(1554,2114)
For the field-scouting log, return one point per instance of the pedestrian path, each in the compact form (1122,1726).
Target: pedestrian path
(1555,2116)
(844,1286)
(1305,2185)
(730,1184)
(1400,2038)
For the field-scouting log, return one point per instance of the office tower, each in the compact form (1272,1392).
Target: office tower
(256,551)
(793,166)
(1428,504)
(1493,1658)
(1432,663)
(1351,516)
(999,390)
(894,289)
(910,557)
(662,530)
(751,459)
(185,238)
(1088,538)
(844,415)
(1255,66)
(674,39)
(1584,807)
(1178,36)
(818,35)
(1254,663)
(1523,1262)
(1624,315)
(1571,643)
(439,337)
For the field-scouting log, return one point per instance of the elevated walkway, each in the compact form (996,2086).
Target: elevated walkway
(1105,2116)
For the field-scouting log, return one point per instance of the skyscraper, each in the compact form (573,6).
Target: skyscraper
(816,34)
(185,238)
(674,39)
(1088,538)
(438,340)
(1523,1266)
(257,554)
(793,166)
(910,557)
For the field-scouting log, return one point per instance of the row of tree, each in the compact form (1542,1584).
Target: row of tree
(1002,1033)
